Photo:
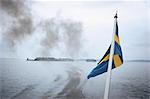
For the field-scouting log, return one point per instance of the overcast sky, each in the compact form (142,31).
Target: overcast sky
(97,21)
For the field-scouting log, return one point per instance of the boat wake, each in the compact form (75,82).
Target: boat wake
(72,88)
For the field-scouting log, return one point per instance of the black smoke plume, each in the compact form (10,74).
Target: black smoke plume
(66,31)
(57,31)
(20,21)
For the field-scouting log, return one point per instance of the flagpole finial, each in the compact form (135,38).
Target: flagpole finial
(116,15)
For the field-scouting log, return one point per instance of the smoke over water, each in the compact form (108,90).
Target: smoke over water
(72,36)
(19,19)
(58,34)
(64,31)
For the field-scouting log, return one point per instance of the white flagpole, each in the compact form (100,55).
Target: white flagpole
(108,79)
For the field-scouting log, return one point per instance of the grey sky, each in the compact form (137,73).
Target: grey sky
(97,20)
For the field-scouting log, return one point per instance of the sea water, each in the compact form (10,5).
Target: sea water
(21,79)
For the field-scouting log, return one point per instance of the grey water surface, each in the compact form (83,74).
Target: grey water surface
(21,79)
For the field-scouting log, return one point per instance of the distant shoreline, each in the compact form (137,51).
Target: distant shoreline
(59,59)
(71,59)
(87,60)
(137,60)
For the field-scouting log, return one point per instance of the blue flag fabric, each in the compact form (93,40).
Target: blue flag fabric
(102,65)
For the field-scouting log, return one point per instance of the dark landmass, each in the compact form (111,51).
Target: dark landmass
(59,59)
(91,60)
(71,59)
(30,59)
(139,60)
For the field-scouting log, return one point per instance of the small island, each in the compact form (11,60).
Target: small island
(59,59)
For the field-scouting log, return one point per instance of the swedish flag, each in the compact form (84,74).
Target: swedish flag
(102,65)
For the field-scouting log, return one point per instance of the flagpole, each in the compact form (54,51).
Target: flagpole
(108,79)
